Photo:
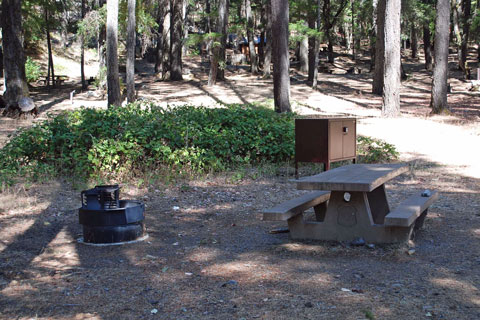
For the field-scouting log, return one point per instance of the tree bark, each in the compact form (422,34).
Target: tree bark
(131,24)
(13,54)
(438,102)
(457,16)
(113,82)
(427,47)
(1,61)
(166,40)
(159,48)
(313,46)
(50,67)
(268,45)
(311,50)
(82,51)
(377,87)
(218,50)
(373,35)
(176,33)
(392,58)
(466,9)
(281,77)
(317,46)
(414,42)
(101,45)
(223,7)
(304,55)
(250,36)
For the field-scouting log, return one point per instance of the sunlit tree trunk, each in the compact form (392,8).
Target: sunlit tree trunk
(131,51)
(392,58)
(438,101)
(281,77)
(13,54)
(304,55)
(113,82)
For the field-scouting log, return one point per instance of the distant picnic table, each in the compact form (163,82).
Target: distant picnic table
(58,79)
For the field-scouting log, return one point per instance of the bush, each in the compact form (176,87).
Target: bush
(371,150)
(135,139)
(128,140)
(32,70)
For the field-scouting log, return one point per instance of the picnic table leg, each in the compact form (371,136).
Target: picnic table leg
(320,211)
(377,200)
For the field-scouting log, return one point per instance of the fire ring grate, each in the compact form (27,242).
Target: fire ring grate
(108,220)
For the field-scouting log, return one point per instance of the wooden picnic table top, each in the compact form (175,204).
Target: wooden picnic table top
(354,177)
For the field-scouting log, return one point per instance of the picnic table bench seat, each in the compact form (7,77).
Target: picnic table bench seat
(413,209)
(296,206)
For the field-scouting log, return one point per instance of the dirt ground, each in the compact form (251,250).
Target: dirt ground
(209,255)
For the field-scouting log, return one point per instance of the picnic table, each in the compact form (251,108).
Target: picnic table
(59,79)
(353,204)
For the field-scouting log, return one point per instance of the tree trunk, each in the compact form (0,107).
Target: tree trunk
(13,55)
(82,51)
(317,45)
(261,45)
(391,80)
(373,35)
(281,77)
(438,103)
(331,58)
(250,36)
(427,47)
(377,87)
(166,40)
(176,33)
(208,11)
(113,82)
(50,67)
(131,51)
(457,16)
(101,45)
(466,9)
(353,30)
(223,7)
(304,55)
(311,50)
(1,61)
(159,47)
(414,41)
(218,51)
(268,45)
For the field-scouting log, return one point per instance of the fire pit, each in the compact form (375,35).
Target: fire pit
(108,220)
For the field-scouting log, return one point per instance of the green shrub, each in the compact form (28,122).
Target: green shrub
(32,70)
(371,150)
(132,139)
(140,139)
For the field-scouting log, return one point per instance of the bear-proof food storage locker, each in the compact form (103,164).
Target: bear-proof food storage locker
(325,140)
